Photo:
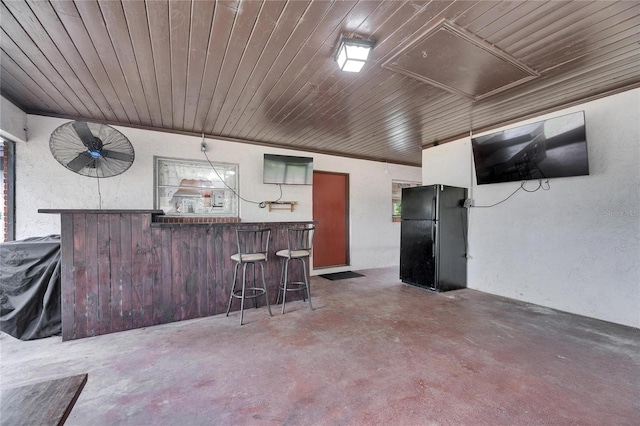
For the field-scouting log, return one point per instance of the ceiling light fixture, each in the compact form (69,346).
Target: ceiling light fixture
(353,53)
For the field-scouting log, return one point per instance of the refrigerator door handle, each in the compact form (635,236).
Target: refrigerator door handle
(433,238)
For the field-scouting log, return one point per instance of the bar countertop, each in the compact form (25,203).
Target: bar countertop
(104,211)
(158,224)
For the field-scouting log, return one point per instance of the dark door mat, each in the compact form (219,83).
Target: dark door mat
(341,275)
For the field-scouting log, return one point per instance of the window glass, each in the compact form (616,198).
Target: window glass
(200,188)
(396,196)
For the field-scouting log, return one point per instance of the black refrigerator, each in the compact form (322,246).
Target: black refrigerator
(433,235)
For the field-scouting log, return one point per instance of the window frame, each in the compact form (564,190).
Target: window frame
(397,186)
(200,197)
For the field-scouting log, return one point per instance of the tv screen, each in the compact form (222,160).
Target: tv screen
(287,170)
(552,148)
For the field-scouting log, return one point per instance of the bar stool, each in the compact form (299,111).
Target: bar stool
(253,247)
(299,246)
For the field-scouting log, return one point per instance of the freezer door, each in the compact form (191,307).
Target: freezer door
(417,263)
(418,203)
(451,239)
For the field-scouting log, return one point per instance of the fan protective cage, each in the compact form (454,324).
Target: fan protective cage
(91,149)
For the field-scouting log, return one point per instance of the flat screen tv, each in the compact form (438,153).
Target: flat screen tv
(287,170)
(552,148)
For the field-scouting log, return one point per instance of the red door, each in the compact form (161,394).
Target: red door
(331,212)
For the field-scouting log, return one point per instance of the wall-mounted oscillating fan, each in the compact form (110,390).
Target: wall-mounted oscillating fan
(91,149)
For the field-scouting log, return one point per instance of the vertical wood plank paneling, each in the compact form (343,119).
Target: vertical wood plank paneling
(91,244)
(80,274)
(167,306)
(191,284)
(67,276)
(115,258)
(225,247)
(158,279)
(104,274)
(148,269)
(203,274)
(126,265)
(177,281)
(210,284)
(137,287)
(119,272)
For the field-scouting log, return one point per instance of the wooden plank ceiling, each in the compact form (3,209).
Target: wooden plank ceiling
(263,72)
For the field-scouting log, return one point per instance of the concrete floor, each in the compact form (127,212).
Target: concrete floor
(374,351)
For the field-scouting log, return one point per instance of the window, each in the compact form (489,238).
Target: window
(396,197)
(196,188)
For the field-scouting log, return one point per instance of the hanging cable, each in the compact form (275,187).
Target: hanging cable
(532,190)
(502,201)
(225,183)
(99,193)
(521,187)
(261,204)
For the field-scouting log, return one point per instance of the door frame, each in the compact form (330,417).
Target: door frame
(347,224)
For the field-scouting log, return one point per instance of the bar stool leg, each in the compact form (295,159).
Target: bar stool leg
(304,272)
(266,294)
(244,284)
(284,284)
(281,280)
(233,287)
(306,282)
(253,270)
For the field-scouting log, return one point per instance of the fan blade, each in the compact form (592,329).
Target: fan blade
(115,155)
(85,135)
(81,161)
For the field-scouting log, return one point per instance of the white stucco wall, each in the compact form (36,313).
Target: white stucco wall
(13,121)
(41,182)
(575,247)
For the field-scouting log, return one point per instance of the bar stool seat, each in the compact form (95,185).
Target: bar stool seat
(299,247)
(253,247)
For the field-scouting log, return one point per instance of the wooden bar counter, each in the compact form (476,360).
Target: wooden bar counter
(126,269)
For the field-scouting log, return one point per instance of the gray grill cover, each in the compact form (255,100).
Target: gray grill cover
(30,287)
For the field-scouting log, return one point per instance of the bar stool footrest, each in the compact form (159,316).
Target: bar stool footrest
(259,292)
(300,286)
